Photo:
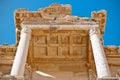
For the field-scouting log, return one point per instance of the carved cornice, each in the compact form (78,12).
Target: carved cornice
(100,17)
(112,50)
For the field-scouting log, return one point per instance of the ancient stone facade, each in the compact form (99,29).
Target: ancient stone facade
(60,46)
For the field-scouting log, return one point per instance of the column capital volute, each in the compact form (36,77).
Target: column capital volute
(26,29)
(94,30)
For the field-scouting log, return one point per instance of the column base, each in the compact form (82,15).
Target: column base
(108,78)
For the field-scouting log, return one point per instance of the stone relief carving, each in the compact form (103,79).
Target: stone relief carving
(40,52)
(56,9)
(3,50)
(63,51)
(76,51)
(65,39)
(52,51)
(100,17)
(38,40)
(43,44)
(112,50)
(53,39)
(7,51)
(77,39)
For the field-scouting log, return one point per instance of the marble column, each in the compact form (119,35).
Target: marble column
(21,54)
(101,63)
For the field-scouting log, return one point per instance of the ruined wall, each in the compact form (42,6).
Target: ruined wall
(50,12)
(100,17)
(65,53)
(7,54)
(113,56)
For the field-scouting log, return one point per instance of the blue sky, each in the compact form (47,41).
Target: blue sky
(79,8)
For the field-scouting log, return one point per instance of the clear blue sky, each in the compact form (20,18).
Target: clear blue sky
(79,8)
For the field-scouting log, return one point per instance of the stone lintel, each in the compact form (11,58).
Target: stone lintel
(60,27)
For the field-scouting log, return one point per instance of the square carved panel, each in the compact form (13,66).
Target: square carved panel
(63,51)
(52,51)
(64,39)
(40,51)
(76,51)
(77,39)
(53,39)
(41,39)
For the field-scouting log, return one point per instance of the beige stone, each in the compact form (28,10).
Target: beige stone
(59,46)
